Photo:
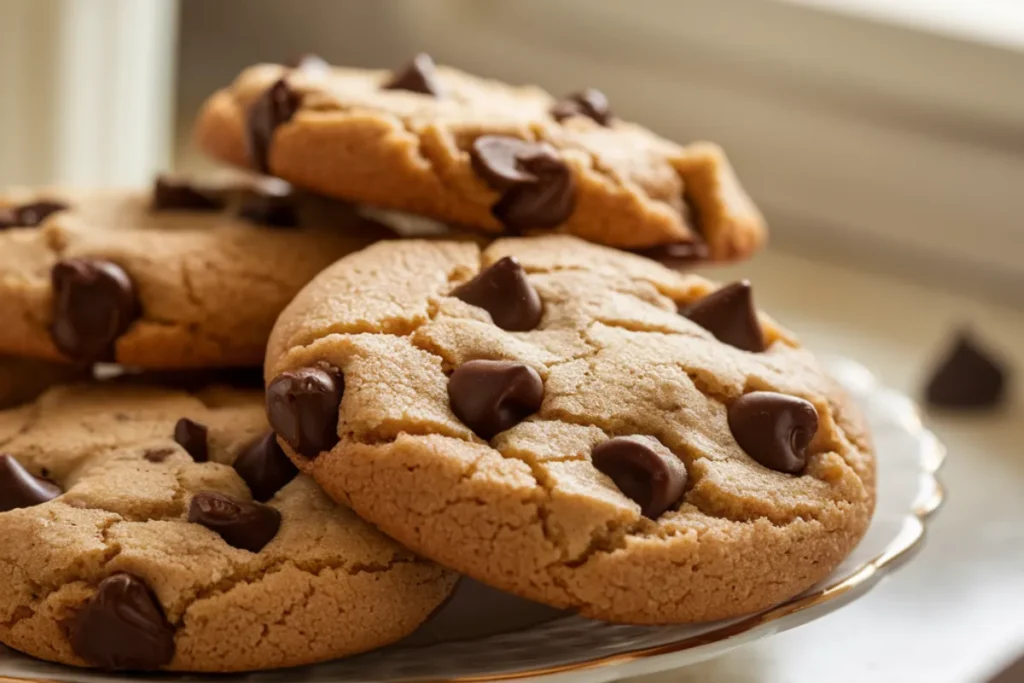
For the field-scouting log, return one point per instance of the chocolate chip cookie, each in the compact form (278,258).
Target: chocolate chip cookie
(146,528)
(575,424)
(181,276)
(503,159)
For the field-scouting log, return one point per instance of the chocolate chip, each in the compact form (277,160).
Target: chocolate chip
(122,627)
(651,480)
(591,103)
(302,406)
(419,75)
(29,215)
(729,314)
(492,395)
(311,64)
(264,467)
(248,526)
(538,189)
(967,377)
(503,291)
(678,255)
(276,106)
(158,454)
(19,488)
(173,194)
(276,210)
(774,429)
(93,304)
(192,436)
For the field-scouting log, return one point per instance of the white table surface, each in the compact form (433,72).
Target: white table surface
(955,613)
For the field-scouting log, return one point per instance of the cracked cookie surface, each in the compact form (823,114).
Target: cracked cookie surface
(383,354)
(324,585)
(346,133)
(191,277)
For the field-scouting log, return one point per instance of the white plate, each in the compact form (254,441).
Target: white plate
(483,635)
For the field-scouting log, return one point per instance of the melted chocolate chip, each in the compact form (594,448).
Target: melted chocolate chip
(19,488)
(729,314)
(774,429)
(490,396)
(94,303)
(192,436)
(122,627)
(157,455)
(652,481)
(248,526)
(173,194)
(276,106)
(591,103)
(264,467)
(538,189)
(967,378)
(276,210)
(302,406)
(419,75)
(679,255)
(503,291)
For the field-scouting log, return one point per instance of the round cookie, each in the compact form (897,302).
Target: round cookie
(574,424)
(146,528)
(183,276)
(442,143)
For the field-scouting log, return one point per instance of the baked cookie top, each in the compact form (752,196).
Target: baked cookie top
(148,528)
(574,424)
(181,276)
(483,154)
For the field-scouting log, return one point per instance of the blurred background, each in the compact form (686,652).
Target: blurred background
(884,140)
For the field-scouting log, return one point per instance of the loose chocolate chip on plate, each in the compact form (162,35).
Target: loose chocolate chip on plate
(94,303)
(968,377)
(192,436)
(490,396)
(678,255)
(591,103)
(729,314)
(122,627)
(273,209)
(651,480)
(248,526)
(503,291)
(264,467)
(538,189)
(774,429)
(302,406)
(19,488)
(173,194)
(276,106)
(419,75)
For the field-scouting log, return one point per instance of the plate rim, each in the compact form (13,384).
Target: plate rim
(930,497)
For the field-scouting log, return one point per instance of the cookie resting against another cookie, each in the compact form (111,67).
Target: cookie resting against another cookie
(183,276)
(482,154)
(22,379)
(574,424)
(146,528)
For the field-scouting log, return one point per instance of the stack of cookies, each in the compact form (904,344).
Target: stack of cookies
(524,396)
